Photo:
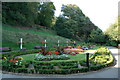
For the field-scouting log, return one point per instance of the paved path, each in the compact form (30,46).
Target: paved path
(111,72)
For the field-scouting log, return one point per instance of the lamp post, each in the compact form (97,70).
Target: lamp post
(21,43)
(67,43)
(45,44)
(87,60)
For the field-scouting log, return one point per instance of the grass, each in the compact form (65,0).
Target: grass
(77,57)
(31,38)
(28,30)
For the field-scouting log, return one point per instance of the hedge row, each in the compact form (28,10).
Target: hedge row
(47,67)
(48,71)
(13,54)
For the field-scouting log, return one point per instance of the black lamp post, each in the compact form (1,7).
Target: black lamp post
(87,60)
(74,44)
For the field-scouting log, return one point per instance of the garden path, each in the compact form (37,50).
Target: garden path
(111,72)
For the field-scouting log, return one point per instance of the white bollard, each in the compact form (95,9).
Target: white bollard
(21,43)
(45,44)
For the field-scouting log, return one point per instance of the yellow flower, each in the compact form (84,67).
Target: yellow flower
(5,58)
(20,58)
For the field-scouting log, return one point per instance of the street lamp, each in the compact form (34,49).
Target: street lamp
(87,60)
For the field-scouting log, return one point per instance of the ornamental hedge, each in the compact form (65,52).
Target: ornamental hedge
(63,67)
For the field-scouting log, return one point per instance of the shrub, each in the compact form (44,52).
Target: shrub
(102,50)
(102,58)
(69,67)
(5,49)
(31,71)
(37,47)
(65,67)
(94,68)
(82,63)
(22,70)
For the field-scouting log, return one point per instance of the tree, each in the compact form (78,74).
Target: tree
(113,33)
(73,23)
(98,36)
(46,14)
(19,13)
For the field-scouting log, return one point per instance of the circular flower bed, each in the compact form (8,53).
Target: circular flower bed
(12,63)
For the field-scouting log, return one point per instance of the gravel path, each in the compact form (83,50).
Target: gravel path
(111,72)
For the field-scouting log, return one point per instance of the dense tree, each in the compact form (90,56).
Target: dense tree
(113,33)
(28,13)
(19,13)
(98,36)
(46,14)
(73,23)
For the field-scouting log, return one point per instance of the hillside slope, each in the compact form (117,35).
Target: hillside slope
(11,36)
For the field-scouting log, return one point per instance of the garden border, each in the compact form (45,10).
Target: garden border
(94,68)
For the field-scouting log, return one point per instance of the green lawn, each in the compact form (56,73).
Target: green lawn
(31,37)
(77,57)
(11,35)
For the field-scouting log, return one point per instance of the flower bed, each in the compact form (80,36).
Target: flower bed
(41,57)
(48,67)
(77,50)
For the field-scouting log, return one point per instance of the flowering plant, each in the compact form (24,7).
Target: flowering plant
(49,52)
(72,52)
(13,61)
(51,57)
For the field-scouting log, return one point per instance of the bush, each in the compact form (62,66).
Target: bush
(112,43)
(31,71)
(102,51)
(82,63)
(22,70)
(5,49)
(69,67)
(18,53)
(94,68)
(37,47)
(102,58)
(62,71)
(65,67)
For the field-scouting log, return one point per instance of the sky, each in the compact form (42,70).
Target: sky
(101,12)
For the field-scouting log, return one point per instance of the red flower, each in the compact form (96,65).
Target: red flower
(49,52)
(15,61)
(40,53)
(10,60)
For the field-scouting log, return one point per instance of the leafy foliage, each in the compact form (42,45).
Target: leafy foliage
(113,33)
(46,14)
(98,36)
(15,13)
(72,23)
(28,13)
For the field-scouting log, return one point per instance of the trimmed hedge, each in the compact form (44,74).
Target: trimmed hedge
(62,71)
(47,67)
(94,68)
(13,54)
(5,49)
